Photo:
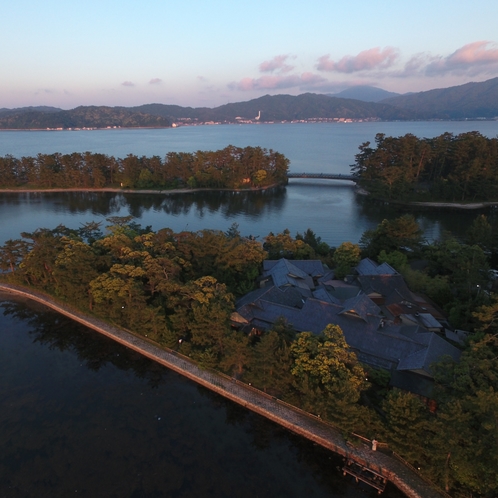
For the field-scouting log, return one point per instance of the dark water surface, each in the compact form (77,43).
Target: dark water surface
(83,416)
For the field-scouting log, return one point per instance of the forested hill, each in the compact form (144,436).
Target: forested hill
(285,108)
(80,117)
(472,100)
(272,108)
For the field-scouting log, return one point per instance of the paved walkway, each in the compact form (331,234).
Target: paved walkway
(313,428)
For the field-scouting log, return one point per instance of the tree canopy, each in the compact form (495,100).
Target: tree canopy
(231,167)
(456,168)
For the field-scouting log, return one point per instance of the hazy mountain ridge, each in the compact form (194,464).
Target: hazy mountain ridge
(272,108)
(365,93)
(310,105)
(472,100)
(22,110)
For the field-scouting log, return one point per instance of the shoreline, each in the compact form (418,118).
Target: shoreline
(431,204)
(136,191)
(292,418)
(358,190)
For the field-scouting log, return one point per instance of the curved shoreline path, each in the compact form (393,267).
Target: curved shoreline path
(295,420)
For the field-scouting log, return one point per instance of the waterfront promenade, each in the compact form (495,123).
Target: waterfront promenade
(295,420)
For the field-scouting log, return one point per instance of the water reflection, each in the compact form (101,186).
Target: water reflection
(93,350)
(81,414)
(230,204)
(332,210)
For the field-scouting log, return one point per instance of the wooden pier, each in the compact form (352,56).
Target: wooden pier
(365,474)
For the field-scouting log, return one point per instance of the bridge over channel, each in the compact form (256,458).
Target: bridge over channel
(325,176)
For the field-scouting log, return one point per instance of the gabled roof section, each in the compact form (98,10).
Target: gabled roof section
(285,272)
(329,276)
(323,295)
(426,320)
(288,296)
(435,348)
(340,289)
(312,267)
(386,269)
(369,267)
(361,306)
(391,287)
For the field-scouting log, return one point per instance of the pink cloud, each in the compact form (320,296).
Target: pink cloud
(472,58)
(128,83)
(273,82)
(155,81)
(374,58)
(475,53)
(277,63)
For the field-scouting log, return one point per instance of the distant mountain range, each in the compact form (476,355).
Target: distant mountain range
(282,108)
(471,101)
(365,93)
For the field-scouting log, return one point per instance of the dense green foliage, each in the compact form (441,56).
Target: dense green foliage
(80,117)
(231,167)
(461,168)
(179,290)
(458,445)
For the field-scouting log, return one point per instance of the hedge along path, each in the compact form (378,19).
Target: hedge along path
(307,425)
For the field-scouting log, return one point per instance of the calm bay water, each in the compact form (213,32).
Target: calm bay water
(323,147)
(81,415)
(330,209)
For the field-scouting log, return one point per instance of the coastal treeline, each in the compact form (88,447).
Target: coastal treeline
(179,290)
(451,168)
(231,167)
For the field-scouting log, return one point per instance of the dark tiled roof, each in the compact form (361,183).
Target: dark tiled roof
(391,287)
(386,269)
(426,320)
(288,296)
(436,347)
(361,305)
(284,272)
(341,290)
(312,267)
(368,267)
(328,276)
(405,348)
(323,295)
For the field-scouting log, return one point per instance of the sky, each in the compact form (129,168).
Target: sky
(205,53)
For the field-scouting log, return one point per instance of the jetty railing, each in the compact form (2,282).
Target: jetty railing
(325,176)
